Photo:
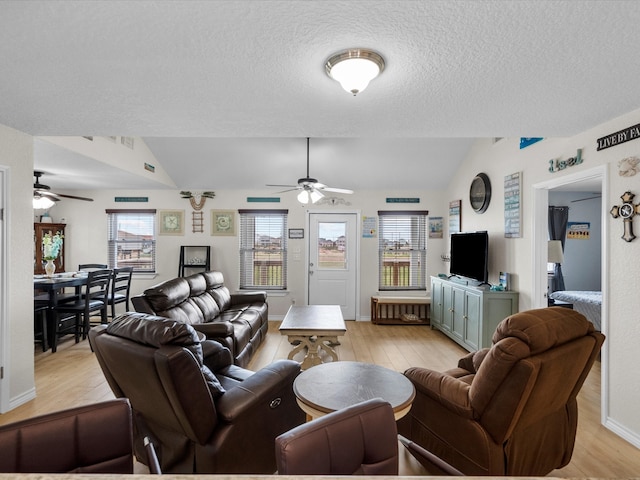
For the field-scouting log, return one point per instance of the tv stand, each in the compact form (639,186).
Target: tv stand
(469,315)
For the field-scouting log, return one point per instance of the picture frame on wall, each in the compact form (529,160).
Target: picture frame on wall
(223,222)
(171,222)
(455,208)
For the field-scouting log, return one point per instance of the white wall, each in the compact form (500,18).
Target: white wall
(86,234)
(16,153)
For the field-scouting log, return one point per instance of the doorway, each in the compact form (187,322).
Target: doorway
(594,179)
(333,261)
(4,327)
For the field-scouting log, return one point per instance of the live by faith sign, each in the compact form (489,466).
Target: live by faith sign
(613,139)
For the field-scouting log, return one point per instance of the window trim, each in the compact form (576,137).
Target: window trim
(419,272)
(112,256)
(245,249)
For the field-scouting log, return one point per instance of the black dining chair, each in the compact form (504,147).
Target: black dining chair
(92,266)
(93,298)
(120,288)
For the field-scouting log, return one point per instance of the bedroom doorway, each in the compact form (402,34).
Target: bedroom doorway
(592,181)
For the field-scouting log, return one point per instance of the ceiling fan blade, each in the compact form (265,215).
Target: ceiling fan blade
(284,186)
(43,193)
(289,190)
(74,197)
(337,190)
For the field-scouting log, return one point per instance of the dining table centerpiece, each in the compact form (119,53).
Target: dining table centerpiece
(51,247)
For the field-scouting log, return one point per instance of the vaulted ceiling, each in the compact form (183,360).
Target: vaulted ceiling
(224,92)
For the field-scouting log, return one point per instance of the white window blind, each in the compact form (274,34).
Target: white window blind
(132,241)
(402,250)
(263,249)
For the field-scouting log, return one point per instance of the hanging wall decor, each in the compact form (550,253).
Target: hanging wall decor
(197,201)
(626,211)
(629,166)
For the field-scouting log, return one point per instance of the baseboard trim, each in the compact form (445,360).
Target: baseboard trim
(23,398)
(623,432)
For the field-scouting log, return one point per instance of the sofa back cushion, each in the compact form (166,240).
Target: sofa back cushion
(184,298)
(215,287)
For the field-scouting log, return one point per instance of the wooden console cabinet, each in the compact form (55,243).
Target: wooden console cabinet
(39,229)
(469,315)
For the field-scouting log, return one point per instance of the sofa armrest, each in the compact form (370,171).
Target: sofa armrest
(213,330)
(215,355)
(141,305)
(442,388)
(258,389)
(248,297)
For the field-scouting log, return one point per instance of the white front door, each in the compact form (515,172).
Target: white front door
(333,261)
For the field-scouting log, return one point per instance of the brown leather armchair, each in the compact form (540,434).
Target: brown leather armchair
(357,440)
(511,409)
(203,413)
(94,438)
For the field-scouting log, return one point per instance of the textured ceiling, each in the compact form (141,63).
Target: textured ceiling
(180,72)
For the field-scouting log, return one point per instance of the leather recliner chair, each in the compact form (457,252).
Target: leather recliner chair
(511,409)
(358,440)
(93,438)
(203,413)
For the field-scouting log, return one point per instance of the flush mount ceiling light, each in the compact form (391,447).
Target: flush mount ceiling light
(355,68)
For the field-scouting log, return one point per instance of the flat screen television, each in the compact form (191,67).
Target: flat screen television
(469,255)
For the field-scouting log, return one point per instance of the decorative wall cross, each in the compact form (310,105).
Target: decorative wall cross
(627,211)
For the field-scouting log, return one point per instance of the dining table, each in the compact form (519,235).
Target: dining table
(53,286)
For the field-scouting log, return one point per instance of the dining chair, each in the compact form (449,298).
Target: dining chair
(92,266)
(40,306)
(120,288)
(93,299)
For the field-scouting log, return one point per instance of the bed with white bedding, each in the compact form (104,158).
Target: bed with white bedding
(588,303)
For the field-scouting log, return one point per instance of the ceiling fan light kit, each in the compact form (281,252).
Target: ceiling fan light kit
(355,68)
(42,203)
(310,189)
(44,198)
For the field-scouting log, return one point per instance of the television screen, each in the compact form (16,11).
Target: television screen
(469,255)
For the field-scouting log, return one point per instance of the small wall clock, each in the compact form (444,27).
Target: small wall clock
(171,222)
(480,193)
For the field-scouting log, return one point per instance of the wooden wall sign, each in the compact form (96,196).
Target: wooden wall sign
(557,165)
(613,139)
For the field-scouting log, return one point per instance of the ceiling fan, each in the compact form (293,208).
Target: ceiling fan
(43,197)
(310,189)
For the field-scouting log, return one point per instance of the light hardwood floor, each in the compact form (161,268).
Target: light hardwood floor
(72,377)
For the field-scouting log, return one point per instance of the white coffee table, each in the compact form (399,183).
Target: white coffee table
(315,327)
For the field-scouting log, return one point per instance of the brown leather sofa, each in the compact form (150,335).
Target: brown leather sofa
(358,440)
(511,409)
(239,321)
(203,413)
(94,438)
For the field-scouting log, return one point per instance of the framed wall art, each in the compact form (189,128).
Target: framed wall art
(454,216)
(171,222)
(223,222)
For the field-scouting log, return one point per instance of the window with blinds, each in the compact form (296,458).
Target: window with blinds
(402,250)
(132,241)
(263,249)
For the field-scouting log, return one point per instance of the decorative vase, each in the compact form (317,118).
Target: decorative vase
(50,268)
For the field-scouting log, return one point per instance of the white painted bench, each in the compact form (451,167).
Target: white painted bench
(396,310)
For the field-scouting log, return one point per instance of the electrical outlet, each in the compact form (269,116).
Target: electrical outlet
(293,301)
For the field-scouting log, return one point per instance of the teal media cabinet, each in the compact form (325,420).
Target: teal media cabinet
(469,315)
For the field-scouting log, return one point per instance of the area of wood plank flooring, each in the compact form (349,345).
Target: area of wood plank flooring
(72,377)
